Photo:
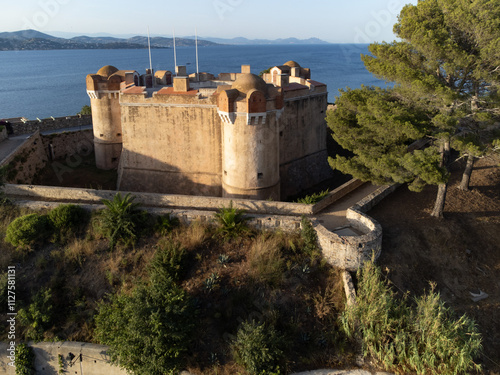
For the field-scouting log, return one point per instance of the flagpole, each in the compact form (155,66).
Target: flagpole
(197,68)
(175,53)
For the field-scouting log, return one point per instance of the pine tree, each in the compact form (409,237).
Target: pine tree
(446,64)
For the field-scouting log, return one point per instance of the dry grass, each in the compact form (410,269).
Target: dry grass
(192,236)
(265,260)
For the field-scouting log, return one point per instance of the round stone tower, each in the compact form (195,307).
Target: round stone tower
(250,147)
(103,89)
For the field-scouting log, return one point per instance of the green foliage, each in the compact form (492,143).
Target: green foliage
(67,220)
(231,221)
(149,329)
(28,231)
(170,261)
(25,359)
(258,349)
(268,70)
(377,127)
(120,219)
(212,282)
(313,198)
(37,316)
(86,110)
(4,282)
(309,236)
(165,223)
(445,63)
(423,339)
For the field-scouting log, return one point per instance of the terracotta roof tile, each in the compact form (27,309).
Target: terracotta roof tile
(295,86)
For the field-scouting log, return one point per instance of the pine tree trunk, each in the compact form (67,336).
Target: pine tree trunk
(441,194)
(464,185)
(440,200)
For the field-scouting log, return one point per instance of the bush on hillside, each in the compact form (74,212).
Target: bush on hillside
(257,349)
(427,338)
(149,329)
(67,220)
(120,221)
(28,231)
(231,221)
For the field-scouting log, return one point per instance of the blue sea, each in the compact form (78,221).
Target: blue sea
(52,83)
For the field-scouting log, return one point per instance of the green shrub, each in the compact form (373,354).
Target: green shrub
(24,360)
(37,316)
(231,221)
(120,220)
(29,230)
(165,223)
(257,349)
(148,330)
(67,220)
(309,236)
(313,198)
(425,339)
(170,260)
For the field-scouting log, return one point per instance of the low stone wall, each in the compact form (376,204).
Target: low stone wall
(77,358)
(350,252)
(186,216)
(25,161)
(157,200)
(337,194)
(31,126)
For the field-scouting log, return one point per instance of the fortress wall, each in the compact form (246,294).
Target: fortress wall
(63,145)
(303,155)
(52,193)
(171,146)
(26,161)
(32,126)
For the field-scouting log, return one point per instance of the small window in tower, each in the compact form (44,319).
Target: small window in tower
(225,173)
(281,133)
(260,176)
(102,135)
(114,159)
(118,134)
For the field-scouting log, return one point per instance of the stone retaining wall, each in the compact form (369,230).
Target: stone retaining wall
(25,161)
(77,358)
(350,252)
(337,194)
(51,193)
(52,123)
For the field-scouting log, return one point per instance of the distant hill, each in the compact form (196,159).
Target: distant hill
(35,40)
(245,41)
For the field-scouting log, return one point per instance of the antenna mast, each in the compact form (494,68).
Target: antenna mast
(197,68)
(149,47)
(175,53)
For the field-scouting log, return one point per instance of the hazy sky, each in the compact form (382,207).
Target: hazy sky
(354,21)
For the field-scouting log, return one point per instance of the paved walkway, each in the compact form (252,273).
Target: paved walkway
(7,146)
(333,216)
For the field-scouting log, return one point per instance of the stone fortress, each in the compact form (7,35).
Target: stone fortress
(236,135)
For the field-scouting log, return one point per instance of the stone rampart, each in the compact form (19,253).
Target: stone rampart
(51,123)
(350,252)
(337,194)
(79,358)
(51,193)
(25,161)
